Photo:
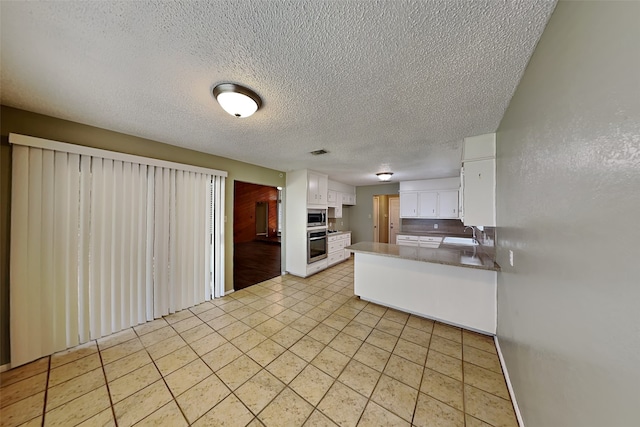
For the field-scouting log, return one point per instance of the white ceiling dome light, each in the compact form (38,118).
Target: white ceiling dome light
(237,100)
(384,176)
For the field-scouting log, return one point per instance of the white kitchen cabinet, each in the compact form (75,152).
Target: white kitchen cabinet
(448,202)
(407,240)
(427,204)
(480,147)
(478,193)
(316,267)
(429,242)
(347,242)
(336,251)
(344,194)
(348,199)
(430,198)
(295,232)
(332,198)
(479,180)
(317,189)
(408,204)
(335,212)
(418,241)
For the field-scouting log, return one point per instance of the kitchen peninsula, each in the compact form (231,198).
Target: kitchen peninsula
(453,284)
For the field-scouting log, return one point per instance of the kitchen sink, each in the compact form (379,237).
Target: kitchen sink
(462,241)
(472,260)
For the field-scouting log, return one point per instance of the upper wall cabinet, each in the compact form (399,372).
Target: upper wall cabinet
(429,204)
(317,189)
(332,198)
(335,211)
(408,204)
(430,198)
(448,204)
(348,199)
(479,181)
(479,147)
(344,194)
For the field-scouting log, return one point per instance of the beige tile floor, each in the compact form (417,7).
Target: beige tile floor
(286,352)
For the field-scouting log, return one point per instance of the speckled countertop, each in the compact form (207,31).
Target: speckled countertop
(460,256)
(337,233)
(433,233)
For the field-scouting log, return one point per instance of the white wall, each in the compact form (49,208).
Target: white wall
(568,205)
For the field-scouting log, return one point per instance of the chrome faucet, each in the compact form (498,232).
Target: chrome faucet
(472,229)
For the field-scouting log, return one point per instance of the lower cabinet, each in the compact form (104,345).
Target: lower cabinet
(316,267)
(406,240)
(337,252)
(418,241)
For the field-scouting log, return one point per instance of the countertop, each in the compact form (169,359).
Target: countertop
(433,233)
(459,256)
(337,233)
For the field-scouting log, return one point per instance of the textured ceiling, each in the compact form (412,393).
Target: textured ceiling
(378,84)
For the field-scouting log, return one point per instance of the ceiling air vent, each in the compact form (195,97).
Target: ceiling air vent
(319,152)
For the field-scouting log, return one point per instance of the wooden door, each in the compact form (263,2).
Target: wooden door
(376,214)
(394,218)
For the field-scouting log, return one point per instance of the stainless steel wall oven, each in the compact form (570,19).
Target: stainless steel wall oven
(316,245)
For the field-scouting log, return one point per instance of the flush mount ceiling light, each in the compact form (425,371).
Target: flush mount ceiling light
(384,176)
(237,100)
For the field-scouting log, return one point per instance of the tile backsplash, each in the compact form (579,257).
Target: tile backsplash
(452,226)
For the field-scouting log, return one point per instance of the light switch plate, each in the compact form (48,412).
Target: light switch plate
(511,257)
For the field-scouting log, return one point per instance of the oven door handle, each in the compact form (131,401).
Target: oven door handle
(317,238)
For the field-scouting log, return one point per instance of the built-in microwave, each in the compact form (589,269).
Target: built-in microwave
(316,217)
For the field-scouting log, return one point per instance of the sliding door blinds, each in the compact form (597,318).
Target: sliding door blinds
(102,241)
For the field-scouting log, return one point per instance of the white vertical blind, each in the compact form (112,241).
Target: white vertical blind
(102,241)
(84,247)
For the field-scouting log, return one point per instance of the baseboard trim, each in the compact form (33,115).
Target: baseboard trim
(5,367)
(509,386)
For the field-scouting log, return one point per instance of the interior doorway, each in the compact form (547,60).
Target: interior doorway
(262,219)
(256,238)
(376,214)
(380,217)
(394,218)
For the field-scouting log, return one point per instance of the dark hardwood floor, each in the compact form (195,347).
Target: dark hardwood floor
(255,262)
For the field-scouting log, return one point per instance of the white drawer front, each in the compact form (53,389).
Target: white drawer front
(335,246)
(430,239)
(335,257)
